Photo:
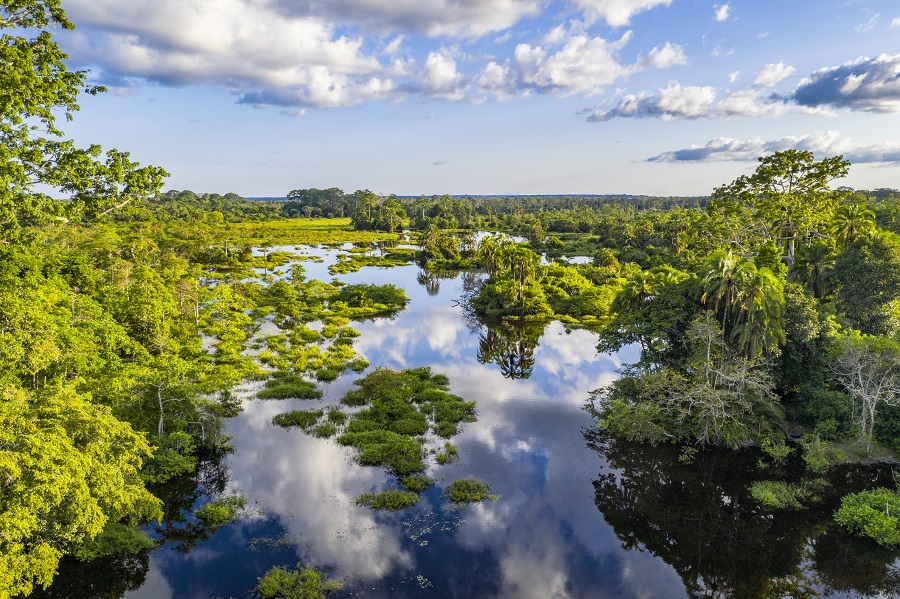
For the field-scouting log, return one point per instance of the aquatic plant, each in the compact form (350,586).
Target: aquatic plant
(469,490)
(392,500)
(300,583)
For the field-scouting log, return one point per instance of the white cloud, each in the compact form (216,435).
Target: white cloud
(664,57)
(895,22)
(866,84)
(582,65)
(723,11)
(434,18)
(672,102)
(868,25)
(440,78)
(830,143)
(771,74)
(616,13)
(732,76)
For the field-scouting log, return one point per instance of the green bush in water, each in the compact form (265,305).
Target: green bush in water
(872,514)
(220,511)
(388,500)
(416,483)
(469,490)
(305,419)
(301,583)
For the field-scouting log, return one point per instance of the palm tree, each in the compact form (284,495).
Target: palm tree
(760,310)
(851,221)
(814,263)
(720,284)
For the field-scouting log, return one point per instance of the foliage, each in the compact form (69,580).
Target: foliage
(392,500)
(781,495)
(69,468)
(116,539)
(301,583)
(305,419)
(221,510)
(869,513)
(469,490)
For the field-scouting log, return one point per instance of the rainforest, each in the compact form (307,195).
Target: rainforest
(343,393)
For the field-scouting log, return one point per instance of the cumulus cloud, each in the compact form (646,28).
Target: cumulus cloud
(723,11)
(440,78)
(830,143)
(311,54)
(616,13)
(431,17)
(771,74)
(895,22)
(689,102)
(866,84)
(577,64)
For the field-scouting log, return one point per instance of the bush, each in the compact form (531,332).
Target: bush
(220,511)
(469,490)
(305,419)
(306,583)
(116,539)
(872,514)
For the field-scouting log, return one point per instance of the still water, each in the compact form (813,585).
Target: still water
(579,515)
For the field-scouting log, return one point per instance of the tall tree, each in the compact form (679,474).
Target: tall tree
(787,199)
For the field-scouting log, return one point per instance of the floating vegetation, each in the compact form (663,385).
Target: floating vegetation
(285,385)
(352,263)
(305,419)
(416,483)
(397,411)
(448,455)
(469,490)
(220,511)
(300,583)
(786,496)
(392,500)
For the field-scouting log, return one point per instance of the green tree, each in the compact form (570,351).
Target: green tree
(787,200)
(867,276)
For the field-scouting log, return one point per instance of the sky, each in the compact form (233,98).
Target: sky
(423,97)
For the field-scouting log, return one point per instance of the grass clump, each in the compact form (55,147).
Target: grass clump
(448,455)
(469,490)
(399,454)
(305,419)
(324,431)
(300,583)
(220,511)
(283,385)
(416,483)
(388,500)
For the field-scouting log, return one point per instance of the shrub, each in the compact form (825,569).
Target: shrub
(469,490)
(872,514)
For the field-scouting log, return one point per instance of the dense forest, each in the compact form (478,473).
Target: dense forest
(768,315)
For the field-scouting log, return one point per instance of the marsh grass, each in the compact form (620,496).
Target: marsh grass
(392,500)
(305,419)
(469,490)
(284,385)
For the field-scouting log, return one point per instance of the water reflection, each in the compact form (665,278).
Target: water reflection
(646,526)
(511,346)
(701,519)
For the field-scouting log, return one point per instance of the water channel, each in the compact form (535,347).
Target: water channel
(578,514)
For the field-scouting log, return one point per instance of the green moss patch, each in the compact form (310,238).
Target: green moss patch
(469,490)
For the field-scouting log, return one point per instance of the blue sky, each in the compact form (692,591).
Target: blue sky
(668,97)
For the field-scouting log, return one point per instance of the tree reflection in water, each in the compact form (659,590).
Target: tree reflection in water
(511,347)
(701,519)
